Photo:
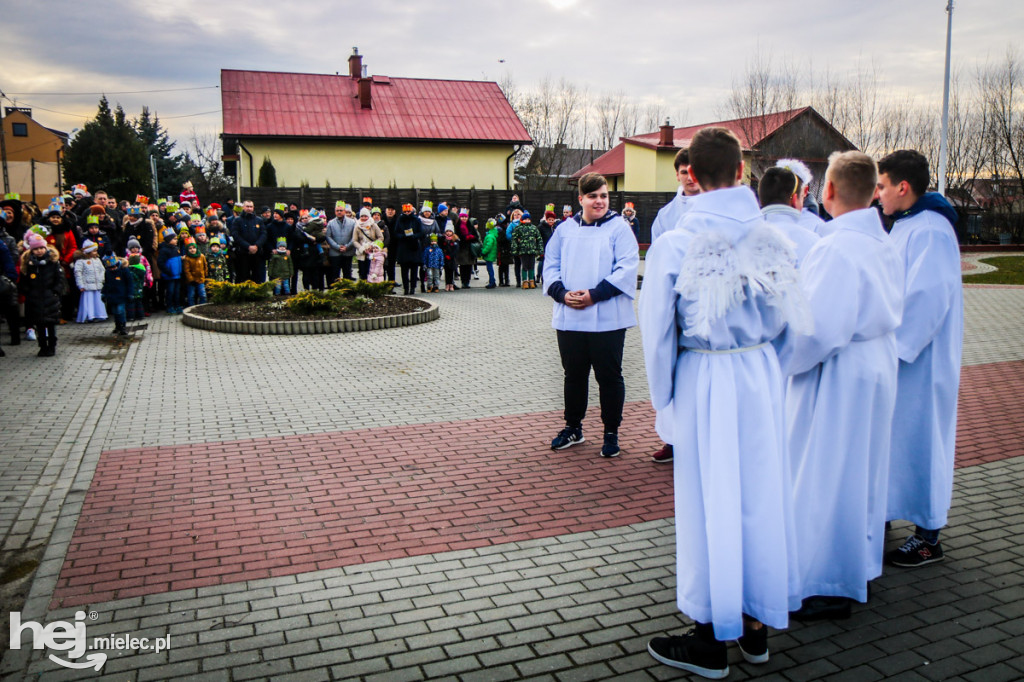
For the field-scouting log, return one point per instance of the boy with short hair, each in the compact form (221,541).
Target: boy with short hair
(280,268)
(194,266)
(929,343)
(117,291)
(217,262)
(779,192)
(716,292)
(168,260)
(840,398)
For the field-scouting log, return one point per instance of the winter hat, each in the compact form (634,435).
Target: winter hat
(442,207)
(282,243)
(364,213)
(97,210)
(549,214)
(33,240)
(186,202)
(169,234)
(348,208)
(110,260)
(89,246)
(133,243)
(464,212)
(526,216)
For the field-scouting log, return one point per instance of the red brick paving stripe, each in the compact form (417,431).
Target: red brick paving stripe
(170,518)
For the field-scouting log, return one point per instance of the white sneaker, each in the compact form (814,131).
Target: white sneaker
(30,334)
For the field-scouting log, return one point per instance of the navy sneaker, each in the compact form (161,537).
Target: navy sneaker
(611,445)
(916,551)
(754,644)
(570,435)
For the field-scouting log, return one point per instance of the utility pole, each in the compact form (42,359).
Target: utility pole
(3,147)
(943,146)
(156,182)
(34,181)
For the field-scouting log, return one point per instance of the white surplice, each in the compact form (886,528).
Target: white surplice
(715,292)
(789,221)
(929,343)
(669,215)
(839,405)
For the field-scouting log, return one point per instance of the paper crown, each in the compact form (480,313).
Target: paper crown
(304,213)
(348,207)
(134,210)
(281,207)
(41,230)
(549,207)
(237,208)
(152,207)
(141,199)
(92,220)
(215,241)
(189,241)
(379,244)
(427,206)
(374,210)
(211,212)
(282,241)
(339,204)
(12,196)
(314,214)
(406,207)
(200,229)
(628,206)
(168,234)
(79,189)
(566,208)
(56,205)
(367,200)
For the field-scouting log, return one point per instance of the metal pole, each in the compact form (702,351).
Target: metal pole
(3,150)
(943,148)
(156,182)
(34,182)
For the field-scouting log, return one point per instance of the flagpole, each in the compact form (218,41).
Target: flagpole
(943,147)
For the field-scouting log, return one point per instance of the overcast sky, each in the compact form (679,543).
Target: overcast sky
(685,54)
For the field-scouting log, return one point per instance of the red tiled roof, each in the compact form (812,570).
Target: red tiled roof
(273,104)
(609,164)
(614,162)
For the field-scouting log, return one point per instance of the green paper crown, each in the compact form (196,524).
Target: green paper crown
(280,207)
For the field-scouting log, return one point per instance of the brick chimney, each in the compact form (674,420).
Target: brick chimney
(355,64)
(364,92)
(667,133)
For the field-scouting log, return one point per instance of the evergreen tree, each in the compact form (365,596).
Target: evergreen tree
(171,170)
(108,154)
(268,174)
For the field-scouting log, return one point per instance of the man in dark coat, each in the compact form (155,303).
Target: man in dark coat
(250,235)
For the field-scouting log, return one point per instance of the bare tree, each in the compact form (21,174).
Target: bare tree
(207,171)
(1000,91)
(766,87)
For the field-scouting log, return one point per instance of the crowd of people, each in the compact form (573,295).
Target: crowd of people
(167,251)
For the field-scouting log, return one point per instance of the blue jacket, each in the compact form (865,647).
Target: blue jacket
(433,257)
(117,285)
(169,261)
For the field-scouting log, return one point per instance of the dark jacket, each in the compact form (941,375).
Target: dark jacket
(168,259)
(117,285)
(468,236)
(248,230)
(43,283)
(408,231)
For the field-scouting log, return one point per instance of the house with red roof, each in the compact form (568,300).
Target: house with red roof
(368,131)
(644,163)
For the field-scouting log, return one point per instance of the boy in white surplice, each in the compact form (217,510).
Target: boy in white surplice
(840,400)
(716,292)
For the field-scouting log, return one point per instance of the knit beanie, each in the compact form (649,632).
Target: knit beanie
(33,240)
(133,243)
(89,246)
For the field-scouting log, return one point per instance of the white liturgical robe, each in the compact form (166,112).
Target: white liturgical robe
(839,405)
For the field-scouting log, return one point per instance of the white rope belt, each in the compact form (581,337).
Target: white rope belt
(728,350)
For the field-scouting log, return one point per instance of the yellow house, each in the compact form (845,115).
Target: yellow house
(361,131)
(33,156)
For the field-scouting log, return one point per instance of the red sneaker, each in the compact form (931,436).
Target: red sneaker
(663,456)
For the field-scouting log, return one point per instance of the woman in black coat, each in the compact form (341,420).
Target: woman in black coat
(408,231)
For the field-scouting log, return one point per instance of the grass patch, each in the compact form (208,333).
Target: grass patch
(1011,271)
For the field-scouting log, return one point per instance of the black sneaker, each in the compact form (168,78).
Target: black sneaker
(915,552)
(692,653)
(570,435)
(611,445)
(754,644)
(823,608)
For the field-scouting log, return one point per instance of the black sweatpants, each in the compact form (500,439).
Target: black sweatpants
(601,351)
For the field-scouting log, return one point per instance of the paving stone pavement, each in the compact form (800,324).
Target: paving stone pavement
(562,607)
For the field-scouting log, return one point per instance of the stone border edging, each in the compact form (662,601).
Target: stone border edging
(194,319)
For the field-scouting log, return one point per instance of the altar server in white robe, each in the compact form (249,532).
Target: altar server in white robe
(668,218)
(716,292)
(779,193)
(808,218)
(840,399)
(929,342)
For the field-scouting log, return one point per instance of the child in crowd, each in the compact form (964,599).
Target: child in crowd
(134,311)
(280,268)
(89,279)
(377,255)
(43,283)
(135,249)
(194,266)
(489,250)
(168,259)
(527,244)
(433,261)
(202,240)
(450,246)
(217,262)
(117,291)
